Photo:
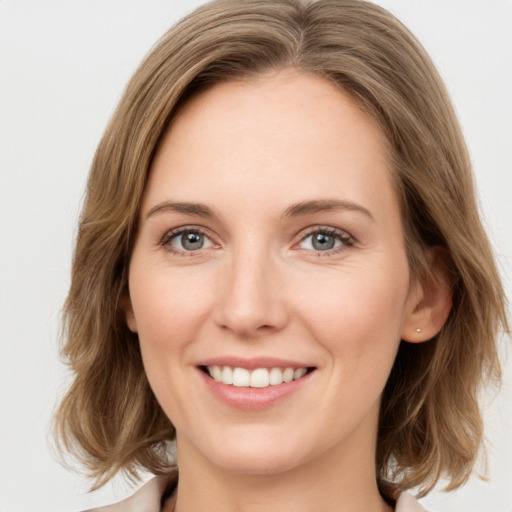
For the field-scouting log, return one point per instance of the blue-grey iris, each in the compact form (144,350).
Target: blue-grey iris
(192,241)
(323,242)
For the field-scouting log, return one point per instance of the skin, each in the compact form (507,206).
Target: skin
(258,287)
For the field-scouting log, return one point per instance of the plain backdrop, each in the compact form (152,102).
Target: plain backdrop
(63,67)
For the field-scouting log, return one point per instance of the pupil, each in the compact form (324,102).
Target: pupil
(323,242)
(192,241)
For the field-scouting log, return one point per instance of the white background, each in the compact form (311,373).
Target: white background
(63,66)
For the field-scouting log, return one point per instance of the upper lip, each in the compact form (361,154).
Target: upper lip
(253,362)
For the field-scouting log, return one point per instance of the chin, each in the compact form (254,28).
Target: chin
(253,454)
(256,463)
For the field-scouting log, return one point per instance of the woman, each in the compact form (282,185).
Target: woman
(266,272)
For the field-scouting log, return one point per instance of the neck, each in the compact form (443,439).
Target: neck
(334,482)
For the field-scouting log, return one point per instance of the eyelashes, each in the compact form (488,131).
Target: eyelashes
(319,240)
(186,240)
(326,240)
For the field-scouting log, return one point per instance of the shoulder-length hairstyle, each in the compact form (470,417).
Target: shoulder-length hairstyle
(430,423)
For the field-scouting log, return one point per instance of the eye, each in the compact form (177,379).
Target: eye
(186,240)
(326,240)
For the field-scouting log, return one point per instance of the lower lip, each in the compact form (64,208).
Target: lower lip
(252,399)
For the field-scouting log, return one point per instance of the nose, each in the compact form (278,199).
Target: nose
(251,301)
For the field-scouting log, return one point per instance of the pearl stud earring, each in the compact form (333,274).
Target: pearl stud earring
(418,330)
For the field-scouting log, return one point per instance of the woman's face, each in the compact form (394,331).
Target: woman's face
(270,245)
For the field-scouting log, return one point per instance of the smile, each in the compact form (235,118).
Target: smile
(257,378)
(254,384)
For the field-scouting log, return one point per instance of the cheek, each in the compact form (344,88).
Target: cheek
(357,316)
(169,312)
(169,308)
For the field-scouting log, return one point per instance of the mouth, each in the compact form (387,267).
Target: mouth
(256,378)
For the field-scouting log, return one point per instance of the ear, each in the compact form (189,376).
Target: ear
(430,301)
(127,308)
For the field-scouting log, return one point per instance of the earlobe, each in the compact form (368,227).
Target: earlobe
(127,308)
(430,301)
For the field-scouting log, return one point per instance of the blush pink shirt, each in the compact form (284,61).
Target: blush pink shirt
(149,496)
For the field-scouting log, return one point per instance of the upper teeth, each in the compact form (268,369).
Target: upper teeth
(259,378)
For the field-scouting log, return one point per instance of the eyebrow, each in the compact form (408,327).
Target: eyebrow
(325,205)
(295,210)
(198,209)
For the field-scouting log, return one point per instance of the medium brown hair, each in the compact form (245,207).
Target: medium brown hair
(430,424)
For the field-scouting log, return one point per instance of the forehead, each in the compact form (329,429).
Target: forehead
(286,134)
(275,101)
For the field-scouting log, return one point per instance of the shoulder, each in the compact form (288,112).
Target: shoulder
(146,499)
(406,503)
